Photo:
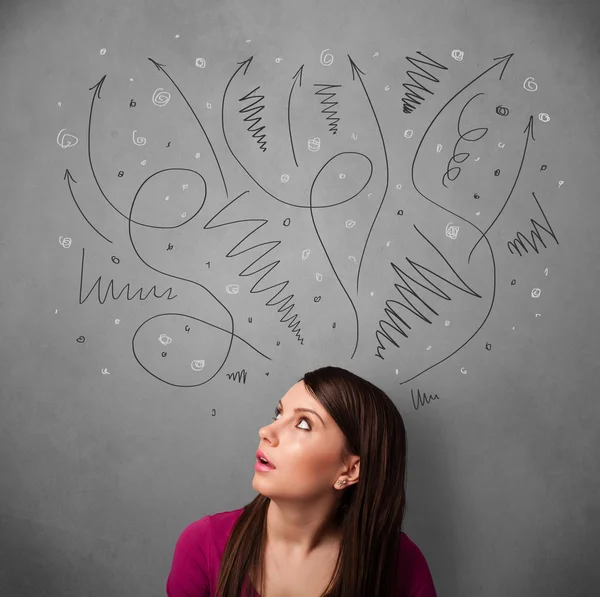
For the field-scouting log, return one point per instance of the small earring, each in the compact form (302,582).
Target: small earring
(342,483)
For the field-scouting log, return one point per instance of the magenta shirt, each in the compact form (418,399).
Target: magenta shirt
(200,547)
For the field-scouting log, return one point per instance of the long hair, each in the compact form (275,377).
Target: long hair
(370,512)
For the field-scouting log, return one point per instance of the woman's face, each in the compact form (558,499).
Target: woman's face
(305,447)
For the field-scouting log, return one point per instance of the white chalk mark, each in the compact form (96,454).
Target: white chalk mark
(439,147)
(408,133)
(209,105)
(200,62)
(535,293)
(117,321)
(197,365)
(387,244)
(451,231)
(66,140)
(342,176)
(546,272)
(538,314)
(278,60)
(352,258)
(387,87)
(478,159)
(55,311)
(376,54)
(160,97)
(372,293)
(59,104)
(65,242)
(458,55)
(354,136)
(105,371)
(314,144)
(398,186)
(561,183)
(478,213)
(164,339)
(143,162)
(350,223)
(463,370)
(184,186)
(139,141)
(232,288)
(285,177)
(319,277)
(102,51)
(197,156)
(446,323)
(326,59)
(544,117)
(305,254)
(184,215)
(501,144)
(530,84)
(428,348)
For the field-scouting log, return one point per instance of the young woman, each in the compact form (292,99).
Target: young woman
(328,517)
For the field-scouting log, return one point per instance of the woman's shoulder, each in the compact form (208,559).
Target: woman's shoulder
(212,528)
(414,574)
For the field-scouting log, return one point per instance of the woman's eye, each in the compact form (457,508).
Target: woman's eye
(278,412)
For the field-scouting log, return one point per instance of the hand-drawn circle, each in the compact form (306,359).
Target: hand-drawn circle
(81,339)
(530,84)
(115,259)
(317,299)
(154,210)
(400,212)
(502,111)
(206,339)
(326,59)
(287,222)
(536,292)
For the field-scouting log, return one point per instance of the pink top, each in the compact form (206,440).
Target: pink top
(200,547)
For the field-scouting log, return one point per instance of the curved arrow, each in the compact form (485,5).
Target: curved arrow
(295,77)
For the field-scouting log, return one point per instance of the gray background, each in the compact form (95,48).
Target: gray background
(100,473)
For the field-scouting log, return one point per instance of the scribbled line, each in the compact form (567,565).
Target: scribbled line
(357,72)
(297,78)
(528,133)
(286,307)
(464,155)
(408,292)
(110,289)
(412,99)
(230,331)
(254,109)
(239,376)
(503,60)
(422,399)
(329,105)
(69,177)
(160,67)
(535,233)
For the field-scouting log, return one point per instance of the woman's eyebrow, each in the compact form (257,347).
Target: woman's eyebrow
(309,410)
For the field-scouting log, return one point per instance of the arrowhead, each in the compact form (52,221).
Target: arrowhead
(354,68)
(529,127)
(247,63)
(98,86)
(506,59)
(299,73)
(68,176)
(158,65)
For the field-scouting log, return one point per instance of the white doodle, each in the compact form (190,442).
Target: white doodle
(117,321)
(451,231)
(143,162)
(530,84)
(408,133)
(139,141)
(398,186)
(305,254)
(538,314)
(387,244)
(164,339)
(319,277)
(167,198)
(446,323)
(184,215)
(501,144)
(372,293)
(544,117)
(160,97)
(65,242)
(439,147)
(463,370)
(184,186)
(285,177)
(102,51)
(209,105)
(376,54)
(59,104)
(197,365)
(546,272)
(66,140)
(232,288)
(535,293)
(352,258)
(350,223)
(428,348)
(387,87)
(200,62)
(326,59)
(105,371)
(561,183)
(342,176)
(314,144)
(478,213)
(278,60)
(354,136)
(477,159)
(458,55)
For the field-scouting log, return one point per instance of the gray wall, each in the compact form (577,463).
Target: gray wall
(148,328)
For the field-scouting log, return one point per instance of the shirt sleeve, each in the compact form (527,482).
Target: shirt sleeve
(416,580)
(189,571)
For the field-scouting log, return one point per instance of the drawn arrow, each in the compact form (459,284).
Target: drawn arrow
(297,77)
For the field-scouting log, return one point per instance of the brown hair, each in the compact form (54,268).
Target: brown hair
(370,512)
